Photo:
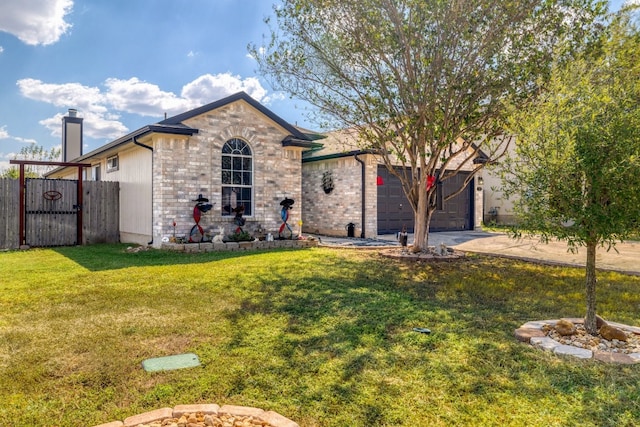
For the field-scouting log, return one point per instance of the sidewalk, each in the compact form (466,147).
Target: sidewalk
(626,259)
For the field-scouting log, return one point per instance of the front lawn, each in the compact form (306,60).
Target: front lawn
(322,336)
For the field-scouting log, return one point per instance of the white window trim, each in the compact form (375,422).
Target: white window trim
(252,186)
(94,176)
(111,168)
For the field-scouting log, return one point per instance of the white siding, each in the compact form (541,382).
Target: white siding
(134,175)
(494,199)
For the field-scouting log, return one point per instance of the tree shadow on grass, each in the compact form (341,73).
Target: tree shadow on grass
(101,257)
(347,339)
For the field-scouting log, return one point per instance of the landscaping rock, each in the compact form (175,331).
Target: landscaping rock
(611,333)
(582,344)
(600,322)
(545,343)
(206,415)
(525,334)
(148,417)
(609,357)
(569,350)
(565,327)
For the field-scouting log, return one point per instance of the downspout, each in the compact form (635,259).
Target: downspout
(135,141)
(363,192)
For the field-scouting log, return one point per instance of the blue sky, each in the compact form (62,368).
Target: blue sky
(124,63)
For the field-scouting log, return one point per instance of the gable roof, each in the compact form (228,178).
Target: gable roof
(173,125)
(295,134)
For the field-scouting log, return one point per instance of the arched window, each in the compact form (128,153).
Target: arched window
(237,177)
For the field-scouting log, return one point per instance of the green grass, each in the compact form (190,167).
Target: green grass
(321,336)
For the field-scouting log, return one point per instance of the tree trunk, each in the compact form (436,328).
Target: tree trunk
(590,290)
(420,227)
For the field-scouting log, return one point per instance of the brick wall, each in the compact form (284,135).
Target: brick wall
(185,167)
(329,214)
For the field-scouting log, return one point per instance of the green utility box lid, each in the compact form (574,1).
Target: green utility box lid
(168,363)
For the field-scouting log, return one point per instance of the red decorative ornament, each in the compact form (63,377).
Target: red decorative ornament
(431,181)
(379,181)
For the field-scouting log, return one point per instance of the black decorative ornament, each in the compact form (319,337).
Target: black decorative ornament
(327,182)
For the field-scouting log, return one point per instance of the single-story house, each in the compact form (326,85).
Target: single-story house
(236,152)
(344,185)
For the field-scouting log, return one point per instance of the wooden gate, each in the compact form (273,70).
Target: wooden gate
(51,212)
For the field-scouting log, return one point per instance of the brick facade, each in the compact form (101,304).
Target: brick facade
(185,167)
(330,213)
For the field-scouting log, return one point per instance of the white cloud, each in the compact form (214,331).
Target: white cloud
(261,51)
(35,22)
(94,125)
(90,102)
(25,140)
(4,134)
(139,97)
(72,95)
(100,107)
(208,88)
(1,49)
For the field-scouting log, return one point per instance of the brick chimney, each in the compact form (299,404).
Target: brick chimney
(71,136)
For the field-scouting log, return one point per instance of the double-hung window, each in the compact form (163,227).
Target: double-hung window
(237,177)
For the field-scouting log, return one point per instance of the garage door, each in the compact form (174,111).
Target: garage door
(394,209)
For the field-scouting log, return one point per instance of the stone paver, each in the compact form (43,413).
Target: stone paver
(544,343)
(277,420)
(525,334)
(536,324)
(620,358)
(209,408)
(112,424)
(243,411)
(148,417)
(569,350)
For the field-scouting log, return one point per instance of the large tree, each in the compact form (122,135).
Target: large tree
(424,82)
(576,170)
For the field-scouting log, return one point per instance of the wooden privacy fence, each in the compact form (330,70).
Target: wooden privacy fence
(52,212)
(9,215)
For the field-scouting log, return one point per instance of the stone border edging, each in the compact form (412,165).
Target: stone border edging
(238,246)
(356,246)
(408,256)
(532,333)
(274,419)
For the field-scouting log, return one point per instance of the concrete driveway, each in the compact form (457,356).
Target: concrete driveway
(625,257)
